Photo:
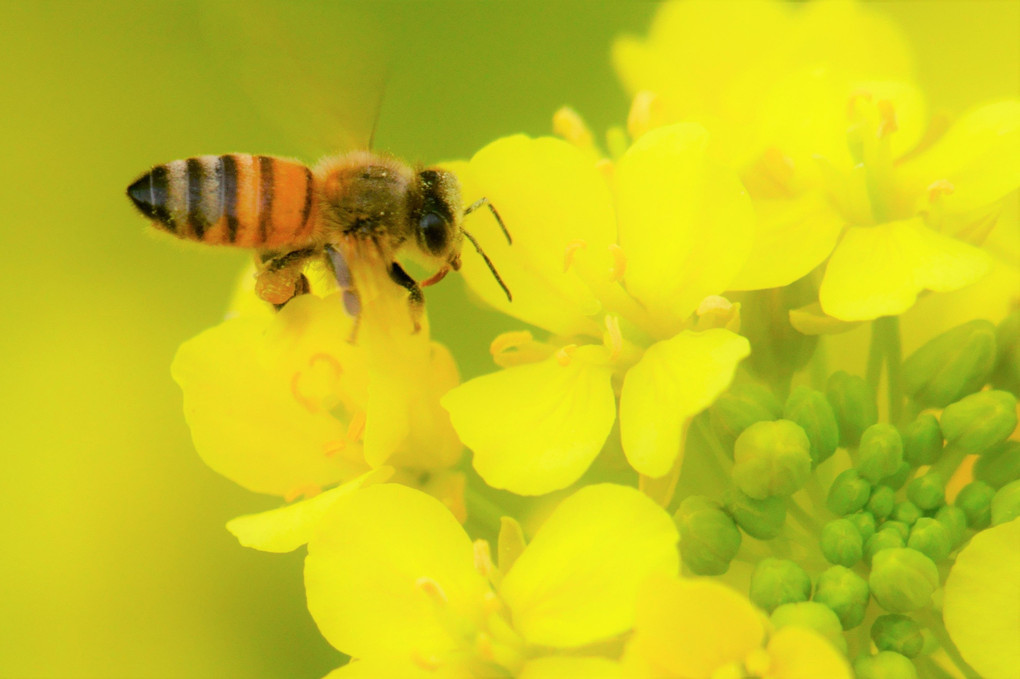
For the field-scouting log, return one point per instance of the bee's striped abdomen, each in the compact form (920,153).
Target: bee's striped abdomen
(238,199)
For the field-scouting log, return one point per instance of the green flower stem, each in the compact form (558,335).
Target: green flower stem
(482,511)
(813,526)
(719,462)
(819,367)
(885,349)
(952,458)
(876,357)
(933,621)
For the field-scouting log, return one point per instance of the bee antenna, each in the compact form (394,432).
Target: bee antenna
(488,263)
(499,220)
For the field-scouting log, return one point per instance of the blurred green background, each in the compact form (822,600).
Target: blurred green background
(115,561)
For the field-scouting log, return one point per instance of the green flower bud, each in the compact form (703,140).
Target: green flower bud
(980,421)
(922,440)
(952,365)
(882,501)
(812,615)
(897,633)
(1006,373)
(898,477)
(775,582)
(975,499)
(761,519)
(928,491)
(841,543)
(848,493)
(884,665)
(1000,465)
(955,521)
(880,453)
(812,412)
(903,580)
(864,522)
(899,526)
(887,538)
(853,404)
(1006,503)
(906,512)
(931,538)
(708,537)
(771,459)
(740,407)
(845,592)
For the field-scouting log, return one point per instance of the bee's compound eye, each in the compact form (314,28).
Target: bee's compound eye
(435,232)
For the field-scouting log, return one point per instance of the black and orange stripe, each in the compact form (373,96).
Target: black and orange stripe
(238,199)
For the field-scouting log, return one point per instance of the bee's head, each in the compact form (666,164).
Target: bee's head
(436,214)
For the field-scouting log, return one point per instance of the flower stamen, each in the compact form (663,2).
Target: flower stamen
(508,341)
(569,125)
(566,354)
(939,188)
(619,267)
(309,491)
(614,337)
(309,404)
(568,255)
(334,447)
(887,113)
(356,427)
(483,559)
(433,590)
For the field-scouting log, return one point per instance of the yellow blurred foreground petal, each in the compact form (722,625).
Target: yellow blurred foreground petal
(288,527)
(689,628)
(571,668)
(801,653)
(397,668)
(577,580)
(674,381)
(879,270)
(536,428)
(982,601)
(686,223)
(388,570)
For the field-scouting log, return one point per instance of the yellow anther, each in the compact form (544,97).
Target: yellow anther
(614,338)
(565,354)
(568,256)
(509,340)
(483,558)
(715,311)
(433,590)
(328,360)
(619,267)
(356,427)
(295,391)
(334,447)
(888,118)
(646,113)
(758,662)
(309,491)
(939,188)
(569,125)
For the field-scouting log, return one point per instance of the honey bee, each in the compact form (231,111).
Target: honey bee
(290,214)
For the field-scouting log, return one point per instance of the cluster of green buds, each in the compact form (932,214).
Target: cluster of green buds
(868,536)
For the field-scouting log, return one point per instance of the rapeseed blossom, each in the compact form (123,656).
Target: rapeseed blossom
(777,514)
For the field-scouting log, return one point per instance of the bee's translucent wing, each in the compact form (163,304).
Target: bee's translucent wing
(316,71)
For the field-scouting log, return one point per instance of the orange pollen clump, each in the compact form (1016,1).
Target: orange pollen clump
(568,255)
(565,354)
(356,427)
(619,267)
(509,340)
(433,590)
(939,188)
(888,113)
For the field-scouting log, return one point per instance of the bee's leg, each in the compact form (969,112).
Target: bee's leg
(415,296)
(279,277)
(349,293)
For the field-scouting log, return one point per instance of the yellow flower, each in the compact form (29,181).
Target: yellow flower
(700,629)
(982,601)
(288,403)
(394,582)
(616,276)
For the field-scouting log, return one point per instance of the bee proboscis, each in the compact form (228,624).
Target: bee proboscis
(289,214)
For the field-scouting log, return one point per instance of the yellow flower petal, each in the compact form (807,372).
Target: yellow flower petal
(689,628)
(809,320)
(397,668)
(388,571)
(536,428)
(879,271)
(258,394)
(288,527)
(686,223)
(571,668)
(982,601)
(791,238)
(577,580)
(550,196)
(801,653)
(979,156)
(674,380)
